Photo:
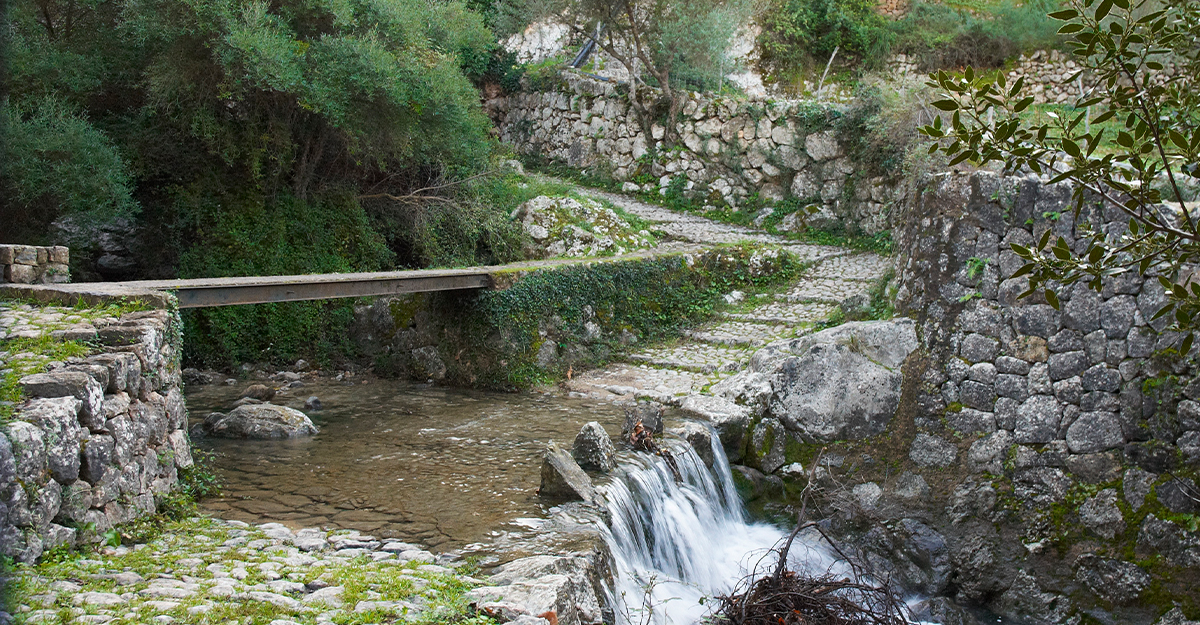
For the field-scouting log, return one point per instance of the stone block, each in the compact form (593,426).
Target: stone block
(1069,391)
(1117,315)
(1067,364)
(983,372)
(24,255)
(99,456)
(1031,349)
(970,421)
(1066,341)
(1006,413)
(1037,320)
(1082,311)
(1037,420)
(29,451)
(60,255)
(1094,432)
(979,348)
(70,384)
(1010,365)
(977,395)
(20,274)
(1099,400)
(1101,378)
(7,254)
(1012,386)
(59,422)
(1139,343)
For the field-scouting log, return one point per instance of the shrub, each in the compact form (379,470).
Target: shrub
(804,32)
(53,162)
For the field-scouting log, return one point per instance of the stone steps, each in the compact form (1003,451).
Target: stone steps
(738,333)
(826,290)
(860,267)
(697,357)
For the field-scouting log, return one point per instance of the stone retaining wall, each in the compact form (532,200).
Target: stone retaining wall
(732,148)
(27,264)
(98,439)
(1075,430)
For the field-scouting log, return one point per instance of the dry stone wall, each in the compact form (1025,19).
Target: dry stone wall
(27,264)
(732,148)
(98,439)
(1077,429)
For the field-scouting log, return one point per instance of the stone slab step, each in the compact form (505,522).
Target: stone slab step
(744,333)
(624,382)
(698,357)
(828,290)
(784,312)
(816,253)
(862,267)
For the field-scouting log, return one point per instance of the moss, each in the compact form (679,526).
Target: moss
(405,309)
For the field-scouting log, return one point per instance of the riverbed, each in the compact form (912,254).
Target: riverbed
(444,468)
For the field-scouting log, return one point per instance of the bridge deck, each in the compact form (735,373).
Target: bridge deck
(211,292)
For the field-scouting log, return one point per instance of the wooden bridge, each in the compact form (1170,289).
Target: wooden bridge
(211,292)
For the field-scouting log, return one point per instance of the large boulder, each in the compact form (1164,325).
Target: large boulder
(841,383)
(562,478)
(259,421)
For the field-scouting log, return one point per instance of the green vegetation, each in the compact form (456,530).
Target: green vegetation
(28,356)
(1124,44)
(442,594)
(800,36)
(497,334)
(227,138)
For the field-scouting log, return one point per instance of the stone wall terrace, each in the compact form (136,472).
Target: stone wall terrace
(98,439)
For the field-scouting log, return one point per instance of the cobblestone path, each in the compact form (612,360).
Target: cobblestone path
(722,347)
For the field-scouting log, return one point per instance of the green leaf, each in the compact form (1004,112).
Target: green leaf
(1025,269)
(1052,299)
(1186,346)
(1070,28)
(1178,139)
(946,105)
(1068,14)
(1164,311)
(1023,104)
(1103,9)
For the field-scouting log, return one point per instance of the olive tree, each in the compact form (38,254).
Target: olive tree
(1130,144)
(656,41)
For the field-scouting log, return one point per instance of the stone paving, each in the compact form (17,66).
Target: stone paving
(827,290)
(718,349)
(214,571)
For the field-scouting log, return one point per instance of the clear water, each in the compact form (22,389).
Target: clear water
(435,466)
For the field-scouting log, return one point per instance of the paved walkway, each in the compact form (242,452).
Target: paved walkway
(724,346)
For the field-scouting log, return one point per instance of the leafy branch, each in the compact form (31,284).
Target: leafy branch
(1125,47)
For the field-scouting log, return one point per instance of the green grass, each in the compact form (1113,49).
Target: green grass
(26,357)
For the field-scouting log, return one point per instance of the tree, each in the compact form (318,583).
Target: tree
(658,39)
(1139,168)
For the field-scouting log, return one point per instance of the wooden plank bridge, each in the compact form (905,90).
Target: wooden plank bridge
(212,292)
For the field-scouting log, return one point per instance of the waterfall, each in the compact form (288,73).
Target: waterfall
(676,544)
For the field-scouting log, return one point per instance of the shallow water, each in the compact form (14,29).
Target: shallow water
(441,467)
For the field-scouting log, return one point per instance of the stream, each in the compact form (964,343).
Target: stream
(445,468)
(453,470)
